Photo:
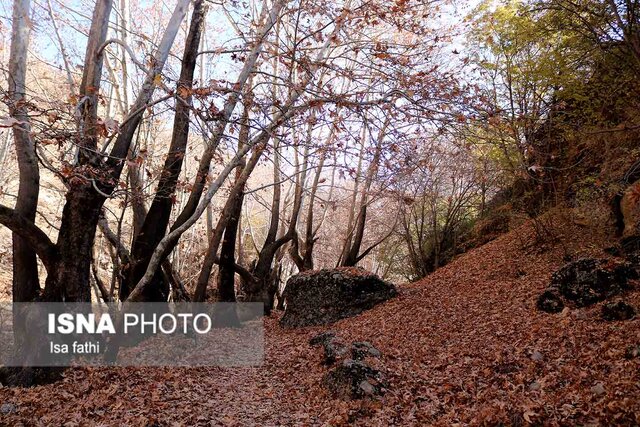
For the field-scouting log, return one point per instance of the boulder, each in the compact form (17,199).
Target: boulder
(325,296)
(618,310)
(587,281)
(322,338)
(353,376)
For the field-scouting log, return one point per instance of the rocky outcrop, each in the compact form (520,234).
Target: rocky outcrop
(334,347)
(325,296)
(585,282)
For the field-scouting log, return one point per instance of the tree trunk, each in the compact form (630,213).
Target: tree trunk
(70,279)
(26,285)
(227,261)
(211,257)
(351,251)
(157,218)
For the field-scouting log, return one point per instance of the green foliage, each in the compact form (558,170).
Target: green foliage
(552,77)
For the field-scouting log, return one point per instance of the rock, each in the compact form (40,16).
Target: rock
(634,259)
(598,389)
(367,388)
(322,338)
(631,250)
(587,281)
(325,296)
(632,352)
(17,376)
(618,310)
(537,356)
(354,379)
(550,302)
(334,347)
(334,350)
(7,408)
(362,350)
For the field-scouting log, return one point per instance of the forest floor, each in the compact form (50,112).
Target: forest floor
(457,347)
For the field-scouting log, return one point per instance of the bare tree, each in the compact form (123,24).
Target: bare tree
(25,265)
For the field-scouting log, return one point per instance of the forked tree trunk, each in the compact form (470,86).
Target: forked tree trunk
(157,218)
(301,250)
(227,261)
(212,257)
(69,262)
(351,254)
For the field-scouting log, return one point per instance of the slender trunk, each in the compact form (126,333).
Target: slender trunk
(351,252)
(136,184)
(90,84)
(26,285)
(228,108)
(212,250)
(157,218)
(226,277)
(63,51)
(227,261)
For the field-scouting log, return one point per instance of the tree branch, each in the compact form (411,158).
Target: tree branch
(31,233)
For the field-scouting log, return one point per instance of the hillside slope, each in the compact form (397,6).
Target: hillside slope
(457,349)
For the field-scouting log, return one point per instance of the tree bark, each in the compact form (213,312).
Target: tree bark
(228,108)
(157,218)
(351,252)
(26,285)
(227,261)
(90,84)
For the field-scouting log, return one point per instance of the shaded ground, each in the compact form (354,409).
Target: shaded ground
(459,348)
